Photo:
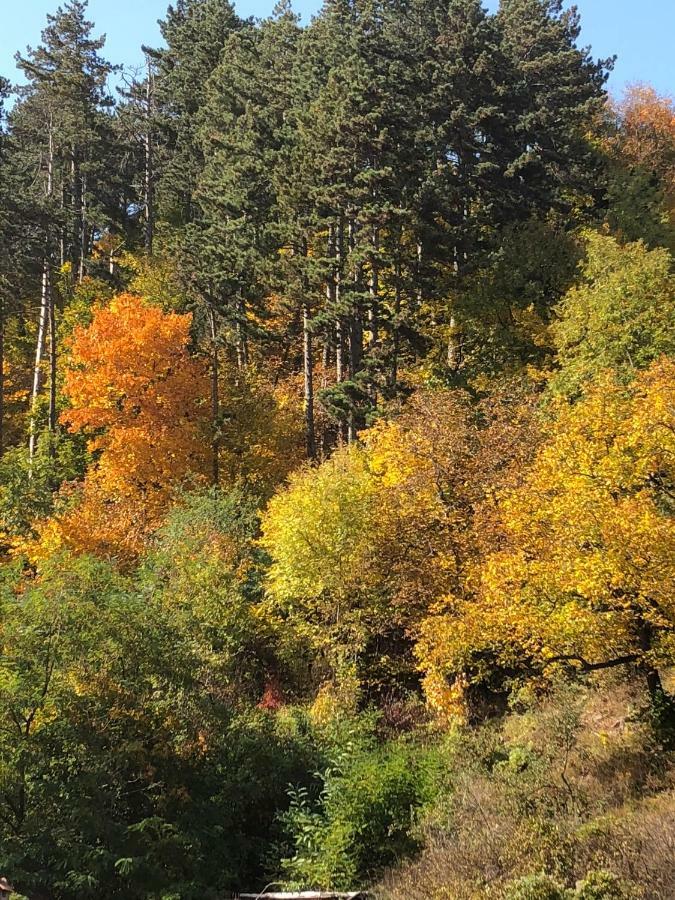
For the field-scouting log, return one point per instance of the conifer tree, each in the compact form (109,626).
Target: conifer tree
(195,32)
(556,91)
(65,136)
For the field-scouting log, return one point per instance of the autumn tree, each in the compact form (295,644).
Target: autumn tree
(584,579)
(620,314)
(637,135)
(363,546)
(133,386)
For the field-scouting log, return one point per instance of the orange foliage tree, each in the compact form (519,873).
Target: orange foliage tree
(648,132)
(134,387)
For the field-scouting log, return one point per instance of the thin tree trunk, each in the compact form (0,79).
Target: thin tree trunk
(37,367)
(651,673)
(78,218)
(84,236)
(215,398)
(356,324)
(2,376)
(242,342)
(397,314)
(355,331)
(308,365)
(44,315)
(374,288)
(455,349)
(52,367)
(149,164)
(339,323)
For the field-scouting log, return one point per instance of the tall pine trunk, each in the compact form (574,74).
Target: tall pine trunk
(149,164)
(308,366)
(37,366)
(339,321)
(2,376)
(374,290)
(78,213)
(215,398)
(52,368)
(44,314)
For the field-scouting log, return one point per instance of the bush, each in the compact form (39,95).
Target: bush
(536,887)
(364,818)
(603,885)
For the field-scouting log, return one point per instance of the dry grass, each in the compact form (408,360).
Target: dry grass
(576,785)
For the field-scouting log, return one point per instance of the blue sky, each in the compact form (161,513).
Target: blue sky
(642,34)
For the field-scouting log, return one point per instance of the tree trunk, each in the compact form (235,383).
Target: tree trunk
(651,673)
(339,323)
(215,398)
(37,367)
(455,350)
(308,365)
(149,164)
(242,341)
(78,218)
(44,315)
(2,376)
(52,367)
(84,236)
(397,315)
(355,333)
(374,289)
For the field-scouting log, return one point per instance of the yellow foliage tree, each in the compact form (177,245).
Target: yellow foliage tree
(364,544)
(586,576)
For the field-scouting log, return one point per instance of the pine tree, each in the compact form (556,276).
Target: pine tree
(64,133)
(195,32)
(556,90)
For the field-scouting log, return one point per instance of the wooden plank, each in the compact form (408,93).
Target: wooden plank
(303,895)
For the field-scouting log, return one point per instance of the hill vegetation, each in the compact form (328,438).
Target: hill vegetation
(337,460)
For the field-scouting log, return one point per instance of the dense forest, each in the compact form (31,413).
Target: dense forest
(337,460)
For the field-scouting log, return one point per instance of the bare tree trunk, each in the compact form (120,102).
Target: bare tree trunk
(308,365)
(52,366)
(356,324)
(215,398)
(84,236)
(44,314)
(78,218)
(2,376)
(651,673)
(374,289)
(455,348)
(37,367)
(339,323)
(397,314)
(149,163)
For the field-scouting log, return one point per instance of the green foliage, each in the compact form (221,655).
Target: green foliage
(127,759)
(28,490)
(364,817)
(621,316)
(204,571)
(537,887)
(603,885)
(596,885)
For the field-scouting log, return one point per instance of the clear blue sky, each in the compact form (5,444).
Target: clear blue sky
(641,34)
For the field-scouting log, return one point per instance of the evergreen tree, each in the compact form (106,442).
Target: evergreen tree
(195,32)
(64,134)
(556,90)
